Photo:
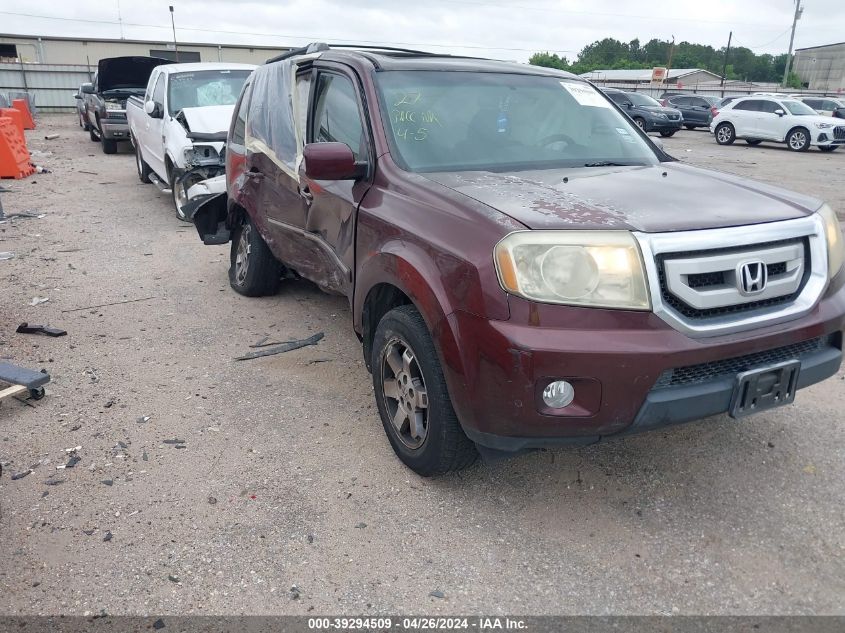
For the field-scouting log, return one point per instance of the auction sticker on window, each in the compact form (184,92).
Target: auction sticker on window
(585,94)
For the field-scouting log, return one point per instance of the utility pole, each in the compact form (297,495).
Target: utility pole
(120,19)
(173,24)
(671,55)
(725,65)
(798,11)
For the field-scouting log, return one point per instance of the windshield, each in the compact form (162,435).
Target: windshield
(641,100)
(464,121)
(798,108)
(710,100)
(204,88)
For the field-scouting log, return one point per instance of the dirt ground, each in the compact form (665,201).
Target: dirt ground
(284,496)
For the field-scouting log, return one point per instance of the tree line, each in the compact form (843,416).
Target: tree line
(609,53)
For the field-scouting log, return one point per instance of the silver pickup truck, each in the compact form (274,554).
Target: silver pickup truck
(116,80)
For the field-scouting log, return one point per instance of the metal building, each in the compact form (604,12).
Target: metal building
(50,69)
(821,67)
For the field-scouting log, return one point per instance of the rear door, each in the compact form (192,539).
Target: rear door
(698,111)
(743,115)
(683,104)
(336,114)
(770,125)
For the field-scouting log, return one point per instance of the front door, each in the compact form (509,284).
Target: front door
(151,134)
(336,114)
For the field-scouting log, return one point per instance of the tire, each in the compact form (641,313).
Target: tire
(434,444)
(92,134)
(798,139)
(668,134)
(109,146)
(725,134)
(640,123)
(179,196)
(690,127)
(144,170)
(828,148)
(253,271)
(753,141)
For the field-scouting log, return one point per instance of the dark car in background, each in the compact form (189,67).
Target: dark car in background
(696,109)
(647,112)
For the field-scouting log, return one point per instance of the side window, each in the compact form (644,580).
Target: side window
(239,128)
(336,116)
(816,104)
(828,105)
(770,106)
(696,101)
(751,105)
(618,97)
(158,91)
(681,101)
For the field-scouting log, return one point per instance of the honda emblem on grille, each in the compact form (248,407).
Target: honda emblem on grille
(751,277)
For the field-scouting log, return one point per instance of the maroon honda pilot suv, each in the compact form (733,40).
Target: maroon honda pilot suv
(525,267)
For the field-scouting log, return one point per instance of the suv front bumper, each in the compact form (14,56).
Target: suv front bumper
(618,362)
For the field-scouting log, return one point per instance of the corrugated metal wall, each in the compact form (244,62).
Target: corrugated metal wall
(50,85)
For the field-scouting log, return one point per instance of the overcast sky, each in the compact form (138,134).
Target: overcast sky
(494,28)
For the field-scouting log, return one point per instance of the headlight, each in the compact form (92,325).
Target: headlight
(835,244)
(111,105)
(586,268)
(824,126)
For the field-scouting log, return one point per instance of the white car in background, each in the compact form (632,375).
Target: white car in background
(782,120)
(828,106)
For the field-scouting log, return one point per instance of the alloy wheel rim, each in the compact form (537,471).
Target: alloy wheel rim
(797,140)
(405,394)
(724,134)
(180,196)
(641,124)
(242,256)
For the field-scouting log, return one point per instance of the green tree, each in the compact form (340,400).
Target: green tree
(549,60)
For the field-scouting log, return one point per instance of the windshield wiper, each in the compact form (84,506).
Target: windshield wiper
(609,163)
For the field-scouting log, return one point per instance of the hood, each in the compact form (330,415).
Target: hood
(114,73)
(660,109)
(209,119)
(820,118)
(665,197)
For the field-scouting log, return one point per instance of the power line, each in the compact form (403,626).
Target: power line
(308,38)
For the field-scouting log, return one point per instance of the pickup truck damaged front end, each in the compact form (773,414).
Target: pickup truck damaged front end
(207,209)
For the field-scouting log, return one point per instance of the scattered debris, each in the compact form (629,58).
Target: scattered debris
(320,360)
(310,538)
(108,482)
(361,526)
(437,594)
(6,255)
(286,346)
(174,441)
(173,578)
(55,481)
(50,137)
(107,537)
(104,305)
(145,457)
(38,300)
(294,593)
(143,419)
(158,624)
(21,475)
(26,328)
(261,342)
(90,173)
(89,532)
(73,461)
(42,170)
(212,500)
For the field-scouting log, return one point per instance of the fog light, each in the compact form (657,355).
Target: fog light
(558,394)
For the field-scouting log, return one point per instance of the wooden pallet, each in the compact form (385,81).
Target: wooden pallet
(12,391)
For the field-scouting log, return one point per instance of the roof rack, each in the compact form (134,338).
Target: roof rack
(317,47)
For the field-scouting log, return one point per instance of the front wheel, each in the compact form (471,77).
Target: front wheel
(751,141)
(725,134)
(640,123)
(92,134)
(668,133)
(798,140)
(827,148)
(690,127)
(412,398)
(144,170)
(253,271)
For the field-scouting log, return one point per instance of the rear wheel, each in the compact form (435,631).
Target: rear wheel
(144,170)
(668,133)
(253,271)
(725,134)
(753,141)
(412,398)
(798,140)
(827,148)
(109,146)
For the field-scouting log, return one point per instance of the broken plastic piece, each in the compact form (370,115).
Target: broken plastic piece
(284,347)
(26,328)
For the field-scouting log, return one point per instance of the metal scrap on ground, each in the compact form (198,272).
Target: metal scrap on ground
(286,346)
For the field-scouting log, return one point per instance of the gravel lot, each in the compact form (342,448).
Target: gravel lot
(287,480)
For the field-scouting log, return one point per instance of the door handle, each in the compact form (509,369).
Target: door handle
(254,174)
(305,192)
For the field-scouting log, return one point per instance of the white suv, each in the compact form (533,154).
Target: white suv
(762,118)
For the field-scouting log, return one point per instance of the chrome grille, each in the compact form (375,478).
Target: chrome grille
(704,372)
(706,284)
(839,133)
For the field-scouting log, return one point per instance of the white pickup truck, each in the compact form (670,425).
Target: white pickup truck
(179,127)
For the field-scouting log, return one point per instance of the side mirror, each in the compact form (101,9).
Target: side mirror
(331,161)
(780,112)
(76,95)
(87,88)
(628,105)
(152,109)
